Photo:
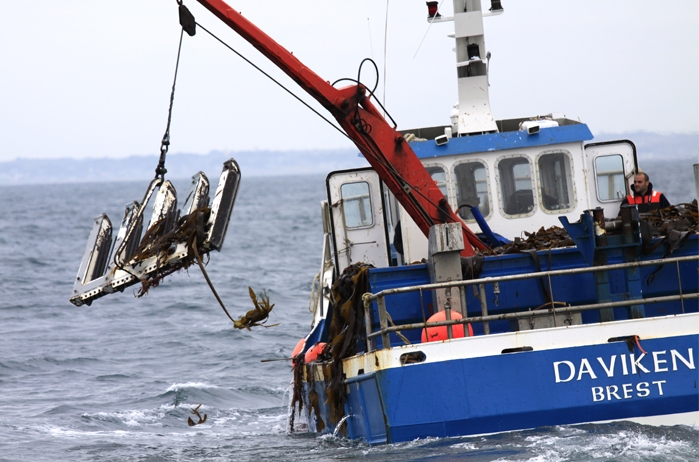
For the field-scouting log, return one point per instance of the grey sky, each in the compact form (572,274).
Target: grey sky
(91,78)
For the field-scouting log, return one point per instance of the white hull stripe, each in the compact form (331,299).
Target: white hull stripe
(538,340)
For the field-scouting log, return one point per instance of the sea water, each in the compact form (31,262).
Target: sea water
(119,379)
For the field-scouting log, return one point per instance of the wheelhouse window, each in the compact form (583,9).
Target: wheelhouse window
(610,178)
(439,176)
(516,188)
(555,182)
(471,182)
(356,205)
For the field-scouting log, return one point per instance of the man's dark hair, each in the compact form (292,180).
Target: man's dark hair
(645,175)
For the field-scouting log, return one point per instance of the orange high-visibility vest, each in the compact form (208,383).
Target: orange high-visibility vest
(637,200)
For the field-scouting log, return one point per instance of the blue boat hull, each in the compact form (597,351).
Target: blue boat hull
(525,390)
(641,368)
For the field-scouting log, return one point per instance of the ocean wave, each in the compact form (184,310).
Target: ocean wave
(130,418)
(252,423)
(622,441)
(190,385)
(112,377)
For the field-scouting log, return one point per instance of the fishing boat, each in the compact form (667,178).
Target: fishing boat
(439,309)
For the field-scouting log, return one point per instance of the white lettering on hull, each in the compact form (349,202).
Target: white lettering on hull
(556,371)
(566,371)
(585,368)
(687,362)
(615,365)
(608,370)
(626,391)
(636,364)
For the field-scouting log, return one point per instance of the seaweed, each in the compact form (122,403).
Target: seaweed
(679,218)
(190,229)
(257,316)
(345,333)
(196,412)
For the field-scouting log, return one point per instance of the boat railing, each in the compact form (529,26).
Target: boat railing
(485,318)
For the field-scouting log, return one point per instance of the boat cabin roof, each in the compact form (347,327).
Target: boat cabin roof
(510,136)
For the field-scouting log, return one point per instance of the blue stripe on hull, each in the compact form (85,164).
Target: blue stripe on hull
(519,391)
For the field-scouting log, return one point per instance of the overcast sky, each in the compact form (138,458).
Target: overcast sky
(92,78)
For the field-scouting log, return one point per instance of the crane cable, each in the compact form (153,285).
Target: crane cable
(190,22)
(274,80)
(160,170)
(357,81)
(187,23)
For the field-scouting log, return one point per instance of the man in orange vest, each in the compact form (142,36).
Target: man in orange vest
(643,195)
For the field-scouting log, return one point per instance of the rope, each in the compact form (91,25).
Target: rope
(398,333)
(427,31)
(160,170)
(317,289)
(638,343)
(275,81)
(364,127)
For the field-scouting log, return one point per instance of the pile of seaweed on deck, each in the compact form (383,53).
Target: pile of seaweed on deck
(676,221)
(680,218)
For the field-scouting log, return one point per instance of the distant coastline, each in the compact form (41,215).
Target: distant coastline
(179,165)
(652,148)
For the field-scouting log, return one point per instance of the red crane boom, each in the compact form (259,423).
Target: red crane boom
(381,144)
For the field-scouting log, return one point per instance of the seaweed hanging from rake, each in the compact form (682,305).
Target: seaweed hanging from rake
(190,229)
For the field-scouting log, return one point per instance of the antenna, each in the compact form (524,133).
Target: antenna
(385,42)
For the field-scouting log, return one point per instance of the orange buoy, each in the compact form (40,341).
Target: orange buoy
(313,352)
(435,334)
(298,348)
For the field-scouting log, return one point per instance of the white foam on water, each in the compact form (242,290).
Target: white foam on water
(70,433)
(182,386)
(249,423)
(131,418)
(635,445)
(468,446)
(572,443)
(412,445)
